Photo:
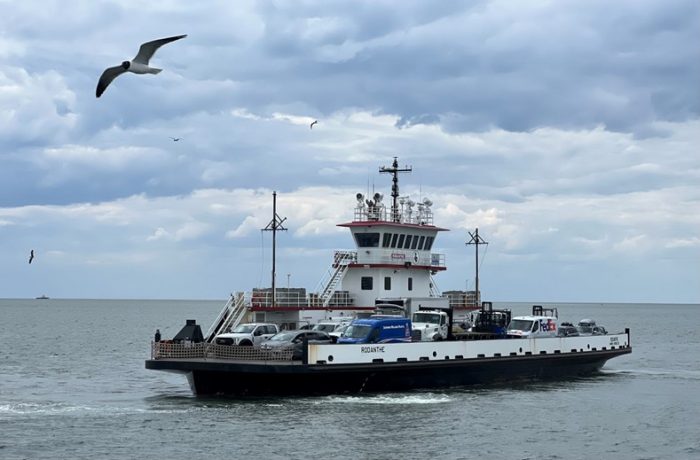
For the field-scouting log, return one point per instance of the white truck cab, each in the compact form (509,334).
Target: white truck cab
(432,325)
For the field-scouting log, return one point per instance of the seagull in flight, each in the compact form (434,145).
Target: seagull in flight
(311,126)
(31,256)
(175,139)
(138,65)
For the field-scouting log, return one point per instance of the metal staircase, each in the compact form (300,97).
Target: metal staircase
(233,312)
(336,274)
(434,291)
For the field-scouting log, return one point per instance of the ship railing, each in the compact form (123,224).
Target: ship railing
(212,351)
(337,299)
(423,215)
(437,259)
(462,304)
(186,350)
(283,298)
(260,300)
(370,213)
(402,257)
(462,299)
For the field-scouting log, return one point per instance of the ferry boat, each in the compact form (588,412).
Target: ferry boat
(392,266)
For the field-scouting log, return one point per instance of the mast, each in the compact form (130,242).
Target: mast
(394,170)
(476,240)
(274,226)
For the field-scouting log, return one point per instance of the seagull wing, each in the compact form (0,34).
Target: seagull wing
(149,48)
(107,77)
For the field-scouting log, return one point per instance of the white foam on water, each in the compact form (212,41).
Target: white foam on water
(62,409)
(35,408)
(390,399)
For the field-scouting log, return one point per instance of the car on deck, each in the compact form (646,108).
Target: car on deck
(295,340)
(589,327)
(567,330)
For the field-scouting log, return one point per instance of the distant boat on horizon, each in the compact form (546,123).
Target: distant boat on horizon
(43,297)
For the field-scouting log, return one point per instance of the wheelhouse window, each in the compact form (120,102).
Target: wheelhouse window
(366,283)
(407,245)
(400,243)
(429,243)
(386,240)
(420,243)
(367,240)
(387,283)
(393,240)
(414,243)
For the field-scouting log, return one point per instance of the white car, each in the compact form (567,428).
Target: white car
(330,326)
(338,332)
(247,334)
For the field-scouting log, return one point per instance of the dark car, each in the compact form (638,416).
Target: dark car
(589,327)
(295,340)
(567,330)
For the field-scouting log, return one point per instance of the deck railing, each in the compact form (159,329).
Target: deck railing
(263,299)
(212,351)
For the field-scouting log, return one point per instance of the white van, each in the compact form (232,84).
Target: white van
(532,326)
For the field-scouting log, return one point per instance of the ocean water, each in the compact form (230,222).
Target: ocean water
(73,385)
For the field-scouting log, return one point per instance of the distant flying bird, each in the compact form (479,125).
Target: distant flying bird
(312,124)
(31,256)
(175,139)
(138,65)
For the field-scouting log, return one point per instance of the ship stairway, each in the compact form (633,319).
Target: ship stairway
(232,314)
(336,274)
(434,291)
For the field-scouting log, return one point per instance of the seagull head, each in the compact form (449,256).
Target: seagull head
(126,65)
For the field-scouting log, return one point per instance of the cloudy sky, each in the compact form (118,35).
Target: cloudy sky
(566,131)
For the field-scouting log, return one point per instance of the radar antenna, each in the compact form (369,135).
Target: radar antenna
(274,226)
(394,171)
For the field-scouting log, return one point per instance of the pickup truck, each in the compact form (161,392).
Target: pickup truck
(247,334)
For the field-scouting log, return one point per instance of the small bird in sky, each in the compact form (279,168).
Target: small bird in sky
(311,126)
(175,139)
(31,256)
(138,65)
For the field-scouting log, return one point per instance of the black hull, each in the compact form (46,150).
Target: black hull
(264,379)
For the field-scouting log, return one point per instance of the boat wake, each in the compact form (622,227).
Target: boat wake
(388,399)
(58,409)
(683,374)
